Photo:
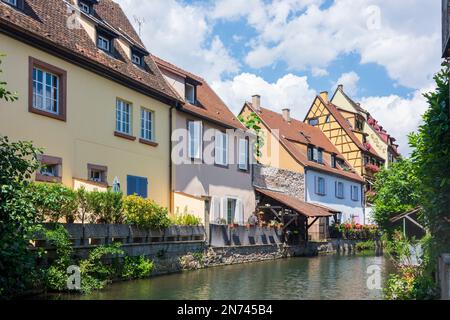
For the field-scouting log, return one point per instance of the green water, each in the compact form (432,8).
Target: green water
(325,277)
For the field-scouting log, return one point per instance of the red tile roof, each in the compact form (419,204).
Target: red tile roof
(294,132)
(209,105)
(304,208)
(44,23)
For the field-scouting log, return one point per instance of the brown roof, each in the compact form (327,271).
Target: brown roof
(44,23)
(347,127)
(294,132)
(304,208)
(209,105)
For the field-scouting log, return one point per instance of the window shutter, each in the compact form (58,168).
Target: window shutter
(336,186)
(142,187)
(224,209)
(240,211)
(131,185)
(225,149)
(315,155)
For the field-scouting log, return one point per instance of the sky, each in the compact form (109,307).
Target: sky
(384,52)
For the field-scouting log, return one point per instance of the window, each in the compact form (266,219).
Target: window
(333,161)
(339,190)
(319,156)
(11,2)
(327,119)
(195,139)
(45,91)
(86,8)
(51,169)
(190,93)
(320,186)
(97,173)
(243,154)
(104,43)
(221,148)
(147,124)
(233,210)
(315,154)
(136,59)
(313,122)
(355,193)
(47,87)
(123,117)
(310,153)
(137,186)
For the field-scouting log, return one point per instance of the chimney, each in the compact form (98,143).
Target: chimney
(324,95)
(287,114)
(341,87)
(256,102)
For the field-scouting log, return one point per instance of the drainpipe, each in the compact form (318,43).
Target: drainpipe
(170,159)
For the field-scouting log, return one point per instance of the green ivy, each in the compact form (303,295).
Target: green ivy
(253,122)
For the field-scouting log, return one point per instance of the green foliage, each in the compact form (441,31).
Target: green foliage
(431,159)
(145,213)
(95,274)
(365,246)
(253,123)
(185,220)
(5,94)
(136,267)
(54,202)
(105,207)
(397,191)
(410,284)
(18,219)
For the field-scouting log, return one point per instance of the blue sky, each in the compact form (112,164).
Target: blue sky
(384,52)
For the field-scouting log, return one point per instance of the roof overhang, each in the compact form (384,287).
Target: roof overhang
(306,209)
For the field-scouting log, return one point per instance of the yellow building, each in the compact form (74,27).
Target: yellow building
(375,136)
(89,94)
(344,129)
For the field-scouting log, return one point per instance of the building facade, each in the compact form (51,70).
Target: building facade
(89,94)
(301,162)
(212,176)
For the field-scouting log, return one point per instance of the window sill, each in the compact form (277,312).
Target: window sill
(148,142)
(244,170)
(224,166)
(60,116)
(42,178)
(124,136)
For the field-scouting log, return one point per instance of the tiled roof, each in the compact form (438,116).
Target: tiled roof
(294,132)
(209,105)
(44,23)
(348,128)
(307,209)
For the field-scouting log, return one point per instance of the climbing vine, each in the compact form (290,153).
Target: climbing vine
(253,123)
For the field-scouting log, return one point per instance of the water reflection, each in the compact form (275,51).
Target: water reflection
(327,277)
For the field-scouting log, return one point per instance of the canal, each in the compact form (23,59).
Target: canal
(324,277)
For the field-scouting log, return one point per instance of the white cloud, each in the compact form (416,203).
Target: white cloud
(399,116)
(290,91)
(350,82)
(402,36)
(319,72)
(181,33)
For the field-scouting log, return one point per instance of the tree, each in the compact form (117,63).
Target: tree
(5,94)
(18,160)
(397,191)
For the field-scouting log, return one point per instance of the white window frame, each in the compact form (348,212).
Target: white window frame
(318,186)
(221,148)
(45,96)
(101,41)
(243,154)
(136,59)
(195,139)
(147,124)
(124,116)
(315,154)
(84,7)
(190,99)
(354,193)
(339,190)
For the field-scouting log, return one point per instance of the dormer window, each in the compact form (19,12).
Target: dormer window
(104,43)
(333,161)
(190,93)
(15,3)
(136,59)
(84,7)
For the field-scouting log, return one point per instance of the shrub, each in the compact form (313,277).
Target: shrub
(105,207)
(54,202)
(136,267)
(365,246)
(145,213)
(185,220)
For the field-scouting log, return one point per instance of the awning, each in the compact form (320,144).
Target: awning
(301,207)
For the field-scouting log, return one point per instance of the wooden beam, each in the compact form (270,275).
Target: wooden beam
(415,222)
(314,221)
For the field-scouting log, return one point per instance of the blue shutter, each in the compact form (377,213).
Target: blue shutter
(137,185)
